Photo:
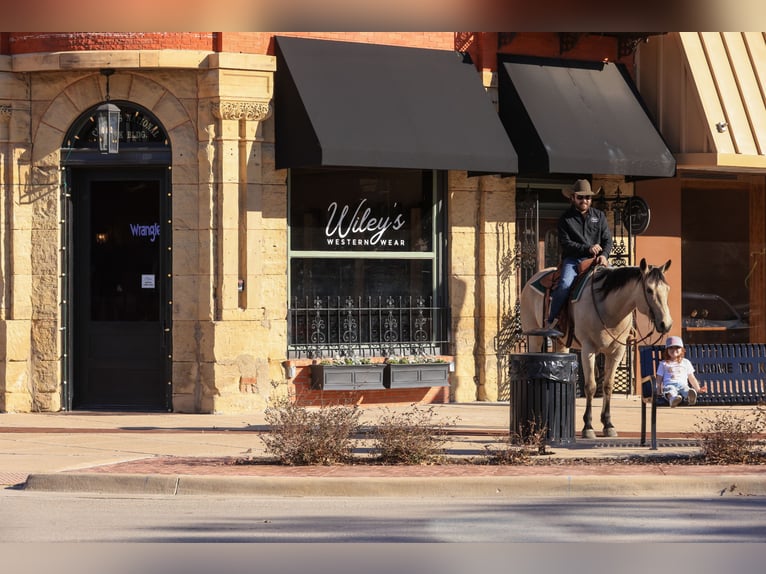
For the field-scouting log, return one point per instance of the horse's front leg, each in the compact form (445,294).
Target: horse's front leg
(589,386)
(610,370)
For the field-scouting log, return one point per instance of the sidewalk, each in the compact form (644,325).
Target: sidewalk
(195,454)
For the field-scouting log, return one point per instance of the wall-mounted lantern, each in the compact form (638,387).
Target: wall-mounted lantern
(108,116)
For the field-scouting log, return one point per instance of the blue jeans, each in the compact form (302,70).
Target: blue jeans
(561,292)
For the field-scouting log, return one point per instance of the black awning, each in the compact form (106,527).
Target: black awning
(570,118)
(350,104)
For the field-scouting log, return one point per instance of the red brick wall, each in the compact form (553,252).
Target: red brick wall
(262,42)
(244,42)
(31,42)
(306,396)
(483,48)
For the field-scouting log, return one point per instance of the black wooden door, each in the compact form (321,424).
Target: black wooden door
(118,344)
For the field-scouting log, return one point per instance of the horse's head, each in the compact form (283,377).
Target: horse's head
(656,291)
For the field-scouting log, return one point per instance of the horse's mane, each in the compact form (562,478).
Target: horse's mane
(611,279)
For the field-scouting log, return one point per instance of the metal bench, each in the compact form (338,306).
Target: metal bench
(734,374)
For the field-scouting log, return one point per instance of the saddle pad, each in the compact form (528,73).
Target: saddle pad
(574,294)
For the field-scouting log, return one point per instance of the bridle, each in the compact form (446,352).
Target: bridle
(628,340)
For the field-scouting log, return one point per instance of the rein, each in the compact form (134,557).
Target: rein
(628,340)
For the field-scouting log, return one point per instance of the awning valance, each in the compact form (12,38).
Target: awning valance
(579,118)
(353,104)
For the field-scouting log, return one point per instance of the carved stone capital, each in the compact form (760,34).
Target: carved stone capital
(5,113)
(229,110)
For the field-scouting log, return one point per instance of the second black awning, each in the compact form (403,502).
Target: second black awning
(368,105)
(579,118)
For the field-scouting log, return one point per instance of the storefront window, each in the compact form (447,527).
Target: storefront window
(717,272)
(366,242)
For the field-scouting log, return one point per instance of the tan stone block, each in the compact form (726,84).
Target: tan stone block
(47,402)
(462,389)
(21,300)
(228,138)
(271,175)
(267,252)
(463,207)
(44,253)
(190,59)
(464,341)
(15,339)
(45,339)
(186,260)
(36,62)
(12,86)
(237,61)
(21,254)
(274,207)
(459,181)
(144,91)
(48,86)
(254,162)
(186,298)
(238,83)
(193,341)
(228,205)
(182,84)
(499,207)
(496,183)
(184,145)
(184,403)
(45,300)
(462,295)
(186,378)
(47,145)
(45,374)
(16,374)
(234,338)
(18,133)
(46,210)
(267,130)
(186,173)
(463,255)
(96,59)
(268,292)
(61,113)
(16,402)
(187,202)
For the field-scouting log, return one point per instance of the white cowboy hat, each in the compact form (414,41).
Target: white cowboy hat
(580,187)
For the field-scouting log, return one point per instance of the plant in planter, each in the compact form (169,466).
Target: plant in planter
(416,371)
(347,373)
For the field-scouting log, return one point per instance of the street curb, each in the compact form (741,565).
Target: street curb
(444,487)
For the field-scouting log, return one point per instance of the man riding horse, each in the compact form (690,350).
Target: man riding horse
(583,234)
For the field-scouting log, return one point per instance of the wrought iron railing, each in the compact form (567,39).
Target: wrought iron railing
(366,326)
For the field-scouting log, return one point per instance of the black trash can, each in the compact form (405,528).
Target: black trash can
(543,387)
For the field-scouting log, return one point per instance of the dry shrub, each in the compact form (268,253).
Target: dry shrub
(519,448)
(727,437)
(309,436)
(409,436)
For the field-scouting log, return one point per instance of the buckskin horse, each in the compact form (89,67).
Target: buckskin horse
(601,311)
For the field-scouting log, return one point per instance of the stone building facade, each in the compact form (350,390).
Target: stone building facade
(226,338)
(212,220)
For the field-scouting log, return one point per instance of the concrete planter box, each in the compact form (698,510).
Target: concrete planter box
(347,377)
(402,376)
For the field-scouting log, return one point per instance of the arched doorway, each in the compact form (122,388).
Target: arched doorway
(116,233)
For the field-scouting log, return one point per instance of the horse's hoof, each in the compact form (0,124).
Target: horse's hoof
(588,433)
(610,432)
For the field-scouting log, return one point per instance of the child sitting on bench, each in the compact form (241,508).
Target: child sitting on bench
(675,374)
